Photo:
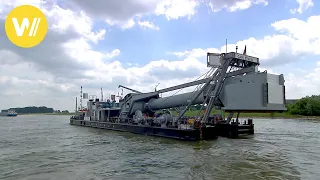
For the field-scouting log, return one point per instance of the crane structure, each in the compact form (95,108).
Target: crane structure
(241,90)
(233,84)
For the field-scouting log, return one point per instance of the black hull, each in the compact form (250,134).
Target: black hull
(181,134)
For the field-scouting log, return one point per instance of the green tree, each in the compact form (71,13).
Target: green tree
(307,106)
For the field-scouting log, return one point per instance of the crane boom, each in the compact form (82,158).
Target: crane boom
(244,89)
(129,89)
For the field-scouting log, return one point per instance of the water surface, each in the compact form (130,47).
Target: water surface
(47,147)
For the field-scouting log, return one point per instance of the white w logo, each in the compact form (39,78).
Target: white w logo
(25,25)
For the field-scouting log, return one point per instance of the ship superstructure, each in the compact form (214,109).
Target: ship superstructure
(233,84)
(9,112)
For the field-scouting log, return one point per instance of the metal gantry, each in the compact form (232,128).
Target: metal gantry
(231,68)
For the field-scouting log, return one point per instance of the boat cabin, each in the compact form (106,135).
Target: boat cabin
(103,111)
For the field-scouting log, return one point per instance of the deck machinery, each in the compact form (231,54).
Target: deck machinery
(233,84)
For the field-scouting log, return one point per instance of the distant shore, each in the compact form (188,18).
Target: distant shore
(242,115)
(284,115)
(70,114)
(277,116)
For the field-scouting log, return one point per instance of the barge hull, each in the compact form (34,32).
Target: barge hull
(181,134)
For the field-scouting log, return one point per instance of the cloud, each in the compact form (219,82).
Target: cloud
(115,13)
(147,24)
(115,10)
(174,9)
(52,73)
(127,13)
(303,5)
(177,8)
(303,84)
(234,5)
(61,58)
(295,39)
(196,53)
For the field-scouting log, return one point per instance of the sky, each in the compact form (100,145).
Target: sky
(142,43)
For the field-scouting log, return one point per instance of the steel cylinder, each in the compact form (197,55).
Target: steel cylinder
(175,101)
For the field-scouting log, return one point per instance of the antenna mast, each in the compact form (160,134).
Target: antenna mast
(101,94)
(81,98)
(226,45)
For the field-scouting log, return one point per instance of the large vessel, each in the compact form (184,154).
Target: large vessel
(8,113)
(233,85)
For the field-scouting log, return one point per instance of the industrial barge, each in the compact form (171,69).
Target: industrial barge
(233,84)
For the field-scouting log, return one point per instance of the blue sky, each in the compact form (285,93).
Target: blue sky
(205,29)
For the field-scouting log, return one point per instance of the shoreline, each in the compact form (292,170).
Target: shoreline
(281,117)
(70,114)
(246,116)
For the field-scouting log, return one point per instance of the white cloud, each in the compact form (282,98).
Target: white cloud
(234,5)
(299,38)
(303,84)
(28,77)
(148,24)
(174,9)
(52,73)
(127,13)
(127,24)
(301,30)
(80,22)
(303,5)
(196,53)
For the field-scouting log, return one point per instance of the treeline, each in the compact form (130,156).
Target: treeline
(33,109)
(307,106)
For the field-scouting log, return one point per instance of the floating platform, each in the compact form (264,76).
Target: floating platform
(206,133)
(244,89)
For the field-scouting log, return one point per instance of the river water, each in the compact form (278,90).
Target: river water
(47,147)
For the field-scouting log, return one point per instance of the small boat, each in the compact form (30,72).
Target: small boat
(8,113)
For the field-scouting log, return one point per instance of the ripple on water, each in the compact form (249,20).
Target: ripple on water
(46,147)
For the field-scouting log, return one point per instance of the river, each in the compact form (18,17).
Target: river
(47,147)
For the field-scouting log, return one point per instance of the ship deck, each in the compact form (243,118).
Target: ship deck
(207,133)
(175,133)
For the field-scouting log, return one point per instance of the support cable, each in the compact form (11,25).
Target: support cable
(165,98)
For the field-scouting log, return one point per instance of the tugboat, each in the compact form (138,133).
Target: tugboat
(8,113)
(244,89)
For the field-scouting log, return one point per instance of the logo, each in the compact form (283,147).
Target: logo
(26,26)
